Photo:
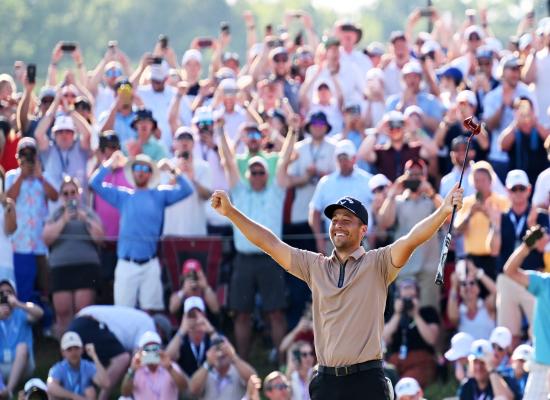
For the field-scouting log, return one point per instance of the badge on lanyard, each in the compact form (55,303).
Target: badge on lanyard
(7,356)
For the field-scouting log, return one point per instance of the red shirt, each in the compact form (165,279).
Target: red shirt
(7,159)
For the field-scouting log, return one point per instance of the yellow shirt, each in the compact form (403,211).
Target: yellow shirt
(477,232)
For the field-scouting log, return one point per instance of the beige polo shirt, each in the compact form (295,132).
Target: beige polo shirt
(347,321)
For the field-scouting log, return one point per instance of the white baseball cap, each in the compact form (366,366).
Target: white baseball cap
(473,29)
(193,302)
(523,352)
(378,180)
(35,383)
(480,349)
(501,336)
(461,344)
(70,339)
(191,54)
(414,109)
(468,96)
(159,72)
(412,67)
(345,147)
(63,123)
(407,387)
(149,337)
(516,177)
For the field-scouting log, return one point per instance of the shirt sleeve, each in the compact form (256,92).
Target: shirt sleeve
(383,258)
(111,194)
(491,103)
(55,372)
(537,282)
(317,199)
(301,262)
(11,176)
(176,193)
(540,196)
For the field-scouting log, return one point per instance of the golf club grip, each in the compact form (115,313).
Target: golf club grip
(443,259)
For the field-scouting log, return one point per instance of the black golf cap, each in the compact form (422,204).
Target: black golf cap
(352,205)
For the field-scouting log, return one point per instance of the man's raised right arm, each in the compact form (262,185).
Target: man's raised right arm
(258,235)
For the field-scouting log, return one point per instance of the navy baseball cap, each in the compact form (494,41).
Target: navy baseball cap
(352,205)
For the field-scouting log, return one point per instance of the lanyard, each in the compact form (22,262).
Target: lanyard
(64,160)
(8,329)
(518,226)
(74,386)
(198,354)
(204,153)
(315,154)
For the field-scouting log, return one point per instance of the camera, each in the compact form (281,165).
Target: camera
(163,40)
(205,42)
(3,298)
(28,156)
(216,341)
(149,357)
(31,73)
(157,60)
(185,156)
(68,47)
(225,28)
(412,184)
(426,12)
(408,304)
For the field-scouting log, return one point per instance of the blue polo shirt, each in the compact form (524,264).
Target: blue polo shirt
(14,330)
(141,212)
(539,286)
(73,380)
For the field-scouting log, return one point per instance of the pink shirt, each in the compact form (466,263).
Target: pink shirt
(157,385)
(108,214)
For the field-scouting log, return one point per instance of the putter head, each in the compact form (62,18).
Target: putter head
(472,126)
(439,279)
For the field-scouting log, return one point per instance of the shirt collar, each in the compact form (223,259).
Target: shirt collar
(356,255)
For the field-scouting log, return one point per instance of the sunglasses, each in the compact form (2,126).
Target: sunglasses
(69,95)
(142,168)
(307,353)
(518,188)
(379,189)
(69,193)
(257,173)
(113,73)
(279,386)
(396,125)
(353,110)
(254,135)
(496,347)
(468,283)
(474,38)
(280,59)
(484,63)
(46,100)
(151,347)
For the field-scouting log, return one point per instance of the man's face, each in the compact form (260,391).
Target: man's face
(158,86)
(280,64)
(400,48)
(412,81)
(519,194)
(345,164)
(480,371)
(396,131)
(482,181)
(511,76)
(182,145)
(253,141)
(111,76)
(258,177)
(347,39)
(72,354)
(474,41)
(498,353)
(193,69)
(333,54)
(318,130)
(458,154)
(408,292)
(229,99)
(5,309)
(64,138)
(142,173)
(144,128)
(45,103)
(466,109)
(324,95)
(417,396)
(278,390)
(485,65)
(346,230)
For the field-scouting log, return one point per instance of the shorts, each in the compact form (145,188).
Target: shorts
(106,343)
(74,277)
(24,265)
(252,273)
(138,284)
(5,368)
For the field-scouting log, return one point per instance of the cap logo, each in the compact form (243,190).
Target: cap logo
(347,200)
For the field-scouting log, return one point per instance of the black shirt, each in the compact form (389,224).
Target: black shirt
(455,130)
(412,336)
(471,391)
(191,356)
(528,153)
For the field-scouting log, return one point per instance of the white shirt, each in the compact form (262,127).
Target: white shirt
(541,85)
(300,389)
(333,187)
(188,216)
(352,81)
(542,189)
(104,100)
(159,103)
(357,58)
(449,180)
(126,323)
(232,124)
(392,79)
(322,156)
(6,252)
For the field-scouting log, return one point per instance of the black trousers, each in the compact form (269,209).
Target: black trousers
(370,384)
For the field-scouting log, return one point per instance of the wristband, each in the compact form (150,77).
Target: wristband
(479,274)
(130,373)
(206,366)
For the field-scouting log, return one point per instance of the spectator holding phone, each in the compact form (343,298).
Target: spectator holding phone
(277,387)
(538,284)
(30,190)
(299,370)
(73,234)
(8,225)
(75,377)
(152,374)
(190,344)
(16,341)
(222,365)
(194,284)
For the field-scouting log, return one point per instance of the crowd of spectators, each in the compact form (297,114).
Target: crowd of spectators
(116,154)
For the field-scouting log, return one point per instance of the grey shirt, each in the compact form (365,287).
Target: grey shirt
(74,246)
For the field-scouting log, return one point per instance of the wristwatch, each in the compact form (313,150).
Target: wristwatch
(130,373)
(207,366)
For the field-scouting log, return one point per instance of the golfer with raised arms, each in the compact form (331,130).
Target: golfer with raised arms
(349,291)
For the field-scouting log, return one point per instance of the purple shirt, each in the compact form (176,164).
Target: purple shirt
(155,385)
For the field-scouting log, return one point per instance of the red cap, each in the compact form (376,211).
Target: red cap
(190,265)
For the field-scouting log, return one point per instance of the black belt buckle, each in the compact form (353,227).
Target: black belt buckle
(346,370)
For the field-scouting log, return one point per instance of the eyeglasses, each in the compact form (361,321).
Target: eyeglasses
(142,168)
(69,193)
(468,283)
(280,59)
(279,386)
(257,173)
(255,135)
(307,353)
(518,188)
(113,73)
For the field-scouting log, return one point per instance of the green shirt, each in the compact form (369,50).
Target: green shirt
(270,158)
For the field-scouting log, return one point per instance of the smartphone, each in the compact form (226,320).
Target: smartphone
(150,357)
(163,40)
(225,28)
(530,15)
(68,47)
(269,29)
(479,196)
(205,42)
(31,73)
(157,60)
(112,45)
(426,12)
(460,269)
(535,235)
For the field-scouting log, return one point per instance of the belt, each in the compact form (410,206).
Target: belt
(139,261)
(350,369)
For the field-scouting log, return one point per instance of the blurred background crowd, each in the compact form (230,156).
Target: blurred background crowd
(110,250)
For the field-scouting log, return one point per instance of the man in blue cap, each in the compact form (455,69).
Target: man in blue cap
(349,291)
